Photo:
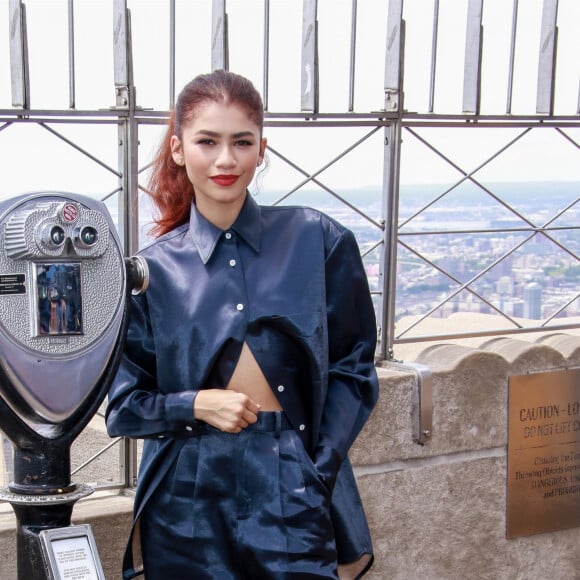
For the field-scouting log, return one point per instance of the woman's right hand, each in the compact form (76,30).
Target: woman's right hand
(225,409)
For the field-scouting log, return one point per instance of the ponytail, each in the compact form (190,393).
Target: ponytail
(169,187)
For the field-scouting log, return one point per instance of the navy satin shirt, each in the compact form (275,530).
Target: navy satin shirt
(287,280)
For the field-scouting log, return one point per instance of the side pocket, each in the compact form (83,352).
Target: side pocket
(182,475)
(305,503)
(315,486)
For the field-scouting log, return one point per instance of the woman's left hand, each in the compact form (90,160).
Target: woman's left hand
(225,409)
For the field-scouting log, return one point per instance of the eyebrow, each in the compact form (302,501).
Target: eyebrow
(235,135)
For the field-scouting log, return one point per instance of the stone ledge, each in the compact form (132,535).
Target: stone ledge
(464,321)
(469,401)
(388,431)
(443,522)
(470,387)
(525,357)
(567,345)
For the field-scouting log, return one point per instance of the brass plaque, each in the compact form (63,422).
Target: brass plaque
(543,485)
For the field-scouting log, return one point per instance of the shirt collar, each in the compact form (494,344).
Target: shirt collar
(206,235)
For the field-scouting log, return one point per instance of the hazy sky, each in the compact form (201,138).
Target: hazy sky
(31,155)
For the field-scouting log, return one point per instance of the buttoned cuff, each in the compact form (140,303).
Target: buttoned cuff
(179,407)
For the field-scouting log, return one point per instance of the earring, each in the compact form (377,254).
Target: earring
(259,163)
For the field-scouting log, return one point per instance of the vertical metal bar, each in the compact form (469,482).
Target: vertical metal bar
(309,76)
(353,22)
(171,53)
(434,40)
(122,57)
(71,55)
(422,402)
(424,430)
(472,66)
(547,58)
(391,162)
(128,462)
(512,57)
(266,73)
(128,138)
(388,262)
(129,198)
(19,56)
(219,47)
(393,57)
(128,203)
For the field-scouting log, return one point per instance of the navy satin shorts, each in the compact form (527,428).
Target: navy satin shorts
(240,506)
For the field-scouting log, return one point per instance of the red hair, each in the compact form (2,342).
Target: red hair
(169,187)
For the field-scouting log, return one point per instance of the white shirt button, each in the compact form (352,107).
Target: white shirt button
(232,263)
(280,388)
(189,428)
(302,427)
(228,235)
(240,307)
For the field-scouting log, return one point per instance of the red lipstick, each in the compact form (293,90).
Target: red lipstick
(224,180)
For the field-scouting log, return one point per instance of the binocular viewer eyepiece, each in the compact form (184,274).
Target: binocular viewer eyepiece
(56,229)
(84,237)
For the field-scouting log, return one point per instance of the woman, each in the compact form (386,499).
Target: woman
(249,364)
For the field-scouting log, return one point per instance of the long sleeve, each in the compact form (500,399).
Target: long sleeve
(136,407)
(352,379)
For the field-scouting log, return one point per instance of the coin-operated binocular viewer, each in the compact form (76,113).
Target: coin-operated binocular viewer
(63,289)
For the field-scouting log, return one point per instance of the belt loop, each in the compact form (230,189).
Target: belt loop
(278,423)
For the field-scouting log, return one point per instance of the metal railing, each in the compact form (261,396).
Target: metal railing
(383,76)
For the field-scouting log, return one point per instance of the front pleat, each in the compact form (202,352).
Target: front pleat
(259,482)
(167,522)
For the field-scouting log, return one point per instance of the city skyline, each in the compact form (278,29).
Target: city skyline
(533,281)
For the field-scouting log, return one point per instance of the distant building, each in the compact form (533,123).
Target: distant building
(533,301)
(505,286)
(514,307)
(505,267)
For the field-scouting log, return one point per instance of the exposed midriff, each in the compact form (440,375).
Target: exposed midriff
(248,378)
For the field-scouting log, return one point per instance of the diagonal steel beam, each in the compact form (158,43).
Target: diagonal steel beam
(457,281)
(80,149)
(311,177)
(466,285)
(467,176)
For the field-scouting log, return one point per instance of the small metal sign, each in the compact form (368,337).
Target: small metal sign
(12,284)
(543,486)
(71,553)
